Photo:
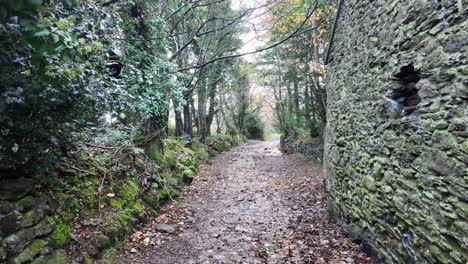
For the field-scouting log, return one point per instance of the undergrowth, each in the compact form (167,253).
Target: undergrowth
(111,188)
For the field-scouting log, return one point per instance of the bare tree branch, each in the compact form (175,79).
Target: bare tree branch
(296,32)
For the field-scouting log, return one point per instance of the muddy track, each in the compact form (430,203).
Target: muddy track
(250,205)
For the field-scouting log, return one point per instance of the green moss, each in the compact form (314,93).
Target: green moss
(165,174)
(50,220)
(109,257)
(37,245)
(117,203)
(174,149)
(60,235)
(89,195)
(189,162)
(123,218)
(132,210)
(164,194)
(201,152)
(113,231)
(188,175)
(74,180)
(151,200)
(156,155)
(137,207)
(129,191)
(27,202)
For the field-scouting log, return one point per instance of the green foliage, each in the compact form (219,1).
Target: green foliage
(201,151)
(255,126)
(53,76)
(124,135)
(220,143)
(150,77)
(60,235)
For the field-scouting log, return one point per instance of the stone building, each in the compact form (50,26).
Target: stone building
(396,153)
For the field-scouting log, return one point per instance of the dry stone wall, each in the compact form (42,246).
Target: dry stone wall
(310,150)
(26,225)
(396,150)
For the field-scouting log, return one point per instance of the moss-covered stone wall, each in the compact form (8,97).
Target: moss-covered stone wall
(396,153)
(96,200)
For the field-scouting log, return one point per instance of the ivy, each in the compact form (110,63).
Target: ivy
(54,78)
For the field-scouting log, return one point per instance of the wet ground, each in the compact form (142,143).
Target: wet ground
(250,205)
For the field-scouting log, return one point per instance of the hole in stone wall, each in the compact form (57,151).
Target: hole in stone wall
(404,97)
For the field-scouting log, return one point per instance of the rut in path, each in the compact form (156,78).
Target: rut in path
(251,205)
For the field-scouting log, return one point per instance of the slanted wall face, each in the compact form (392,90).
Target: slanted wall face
(396,153)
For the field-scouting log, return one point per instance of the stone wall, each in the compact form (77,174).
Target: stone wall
(63,218)
(26,225)
(310,150)
(396,153)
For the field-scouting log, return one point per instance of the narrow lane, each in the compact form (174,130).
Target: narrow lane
(250,205)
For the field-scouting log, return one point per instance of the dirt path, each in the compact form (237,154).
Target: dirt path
(251,205)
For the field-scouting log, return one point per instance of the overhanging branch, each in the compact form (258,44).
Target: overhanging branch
(297,32)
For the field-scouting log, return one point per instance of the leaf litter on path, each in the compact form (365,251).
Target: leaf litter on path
(247,206)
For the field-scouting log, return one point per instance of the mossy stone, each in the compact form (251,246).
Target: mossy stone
(32,217)
(44,227)
(464,146)
(109,256)
(444,140)
(440,124)
(15,243)
(10,223)
(188,175)
(369,183)
(102,242)
(56,257)
(37,247)
(26,203)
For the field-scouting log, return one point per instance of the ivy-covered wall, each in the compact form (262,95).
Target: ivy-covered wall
(396,153)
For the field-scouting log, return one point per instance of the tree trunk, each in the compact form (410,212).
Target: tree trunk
(194,114)
(297,110)
(178,120)
(155,130)
(202,101)
(188,115)
(218,124)
(211,111)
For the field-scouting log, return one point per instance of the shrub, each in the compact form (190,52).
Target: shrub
(255,126)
